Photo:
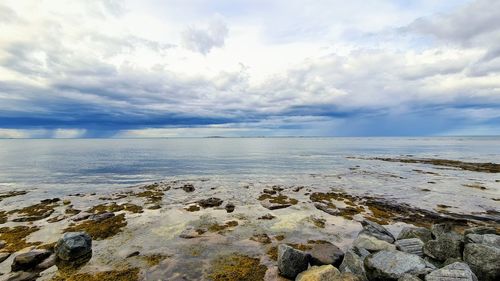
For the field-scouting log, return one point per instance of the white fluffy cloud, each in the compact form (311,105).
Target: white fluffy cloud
(129,68)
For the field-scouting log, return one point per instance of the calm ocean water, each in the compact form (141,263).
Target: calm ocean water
(69,165)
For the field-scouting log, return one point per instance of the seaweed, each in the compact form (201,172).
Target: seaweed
(236,267)
(101,229)
(15,237)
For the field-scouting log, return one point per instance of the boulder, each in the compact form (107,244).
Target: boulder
(326,253)
(230,207)
(28,260)
(411,246)
(210,202)
(409,277)
(415,232)
(188,187)
(486,239)
(319,273)
(21,276)
(47,263)
(354,262)
(457,271)
(347,276)
(73,245)
(4,256)
(291,262)
(480,230)
(447,245)
(374,229)
(441,228)
(372,244)
(484,261)
(392,265)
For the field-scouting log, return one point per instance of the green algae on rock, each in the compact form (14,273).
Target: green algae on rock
(236,267)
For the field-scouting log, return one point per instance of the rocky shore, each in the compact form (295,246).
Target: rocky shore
(207,229)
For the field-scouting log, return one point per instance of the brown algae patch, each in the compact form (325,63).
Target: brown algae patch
(221,227)
(101,229)
(11,194)
(327,202)
(130,274)
(192,208)
(237,267)
(15,237)
(154,259)
(113,207)
(3,217)
(36,212)
(468,166)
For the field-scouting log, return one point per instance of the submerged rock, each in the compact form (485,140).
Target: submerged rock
(210,202)
(27,261)
(230,207)
(354,262)
(372,244)
(291,262)
(457,271)
(73,245)
(447,245)
(376,230)
(319,273)
(415,232)
(392,265)
(411,246)
(484,261)
(188,187)
(326,253)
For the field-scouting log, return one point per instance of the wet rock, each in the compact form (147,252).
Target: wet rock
(480,230)
(291,262)
(22,276)
(319,273)
(4,256)
(372,244)
(457,271)
(447,245)
(326,253)
(269,191)
(267,217)
(210,202)
(133,254)
(230,207)
(261,238)
(73,245)
(154,207)
(411,246)
(415,232)
(347,276)
(47,263)
(81,216)
(354,262)
(392,265)
(486,239)
(376,230)
(101,217)
(484,261)
(441,228)
(188,187)
(191,232)
(274,206)
(409,277)
(27,261)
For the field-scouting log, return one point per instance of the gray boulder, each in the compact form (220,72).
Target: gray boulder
(409,277)
(411,246)
(457,271)
(392,265)
(372,243)
(326,253)
(291,262)
(484,261)
(480,230)
(441,228)
(73,246)
(376,230)
(354,262)
(29,260)
(415,232)
(319,273)
(447,245)
(486,239)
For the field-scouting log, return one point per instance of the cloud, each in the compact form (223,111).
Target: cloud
(109,74)
(205,39)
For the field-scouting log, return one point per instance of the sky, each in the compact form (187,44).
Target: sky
(242,68)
